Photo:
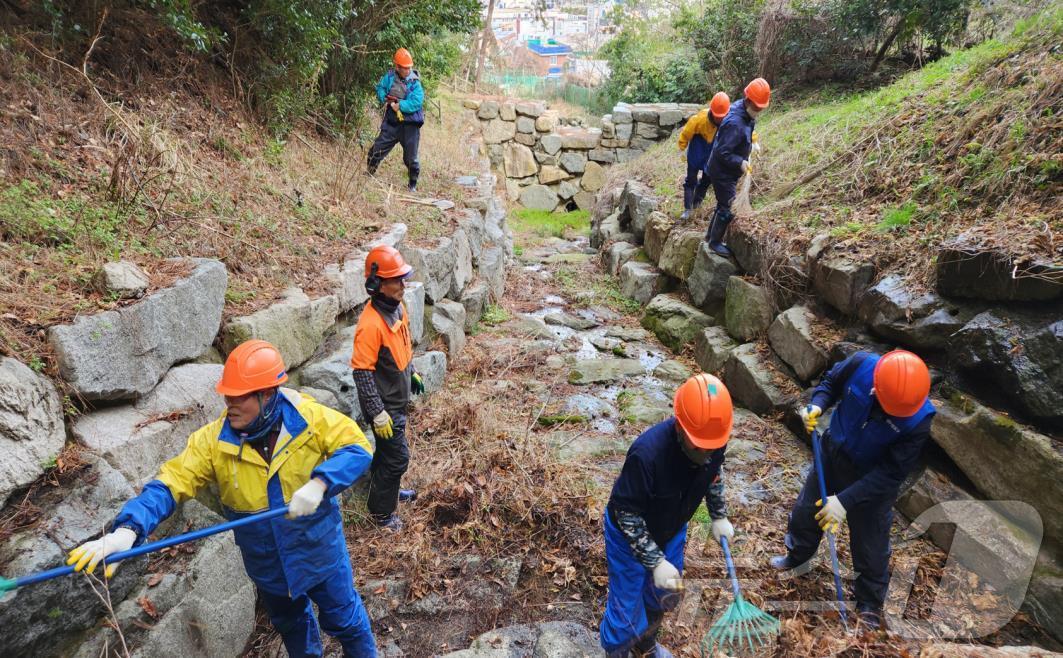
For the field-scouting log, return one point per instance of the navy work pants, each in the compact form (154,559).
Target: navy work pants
(390,461)
(405,134)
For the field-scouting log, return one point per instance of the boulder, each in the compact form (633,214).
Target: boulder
(413,299)
(487,110)
(31,426)
(593,177)
(554,639)
(641,407)
(471,103)
(497,131)
(518,160)
(709,274)
(533,109)
(712,349)
(493,271)
(573,162)
(1019,355)
(38,619)
(122,280)
(842,282)
(434,267)
(568,320)
(393,237)
(568,189)
(525,138)
(538,197)
(545,123)
(448,320)
(138,438)
(332,373)
(526,125)
(637,202)
(674,322)
(640,281)
(463,271)
(549,174)
(628,334)
(677,256)
(747,309)
(746,246)
(669,117)
(658,226)
(550,143)
(605,230)
(320,395)
(533,327)
(791,338)
(603,155)
(545,159)
(432,366)
(920,320)
(475,226)
(621,115)
(296,326)
(1003,459)
(646,130)
(584,200)
(751,378)
(123,353)
(507,112)
(348,282)
(617,254)
(579,138)
(474,299)
(597,371)
(964,270)
(672,371)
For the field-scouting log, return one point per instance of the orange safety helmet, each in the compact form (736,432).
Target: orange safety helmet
(402,57)
(902,383)
(254,365)
(758,92)
(389,263)
(719,105)
(704,410)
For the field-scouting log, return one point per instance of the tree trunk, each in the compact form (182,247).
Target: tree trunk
(881,55)
(483,44)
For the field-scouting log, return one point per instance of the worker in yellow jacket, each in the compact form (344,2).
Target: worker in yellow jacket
(696,138)
(272,447)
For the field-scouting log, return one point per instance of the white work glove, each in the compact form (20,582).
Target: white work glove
(746,167)
(666,576)
(90,553)
(722,528)
(810,416)
(306,499)
(382,426)
(832,515)
(756,147)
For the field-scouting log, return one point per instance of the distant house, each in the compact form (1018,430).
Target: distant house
(549,57)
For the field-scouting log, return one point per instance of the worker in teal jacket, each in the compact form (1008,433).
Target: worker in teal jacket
(402,95)
(273,447)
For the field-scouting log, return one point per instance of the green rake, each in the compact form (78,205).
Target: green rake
(743,625)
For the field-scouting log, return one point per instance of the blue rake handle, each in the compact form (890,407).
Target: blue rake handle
(192,535)
(731,568)
(817,454)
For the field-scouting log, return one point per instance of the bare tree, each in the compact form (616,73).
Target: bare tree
(488,33)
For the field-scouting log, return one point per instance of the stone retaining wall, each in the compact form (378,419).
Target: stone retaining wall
(550,162)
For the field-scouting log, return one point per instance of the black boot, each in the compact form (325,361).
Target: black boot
(688,203)
(721,219)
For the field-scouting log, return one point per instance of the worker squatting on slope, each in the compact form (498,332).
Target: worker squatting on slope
(402,95)
(876,435)
(382,363)
(272,447)
(696,138)
(668,471)
(730,158)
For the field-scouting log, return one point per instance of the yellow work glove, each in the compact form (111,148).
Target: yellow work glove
(90,553)
(832,515)
(382,426)
(746,167)
(810,416)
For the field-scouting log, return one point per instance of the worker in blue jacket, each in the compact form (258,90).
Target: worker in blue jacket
(272,447)
(877,433)
(401,93)
(669,470)
(730,158)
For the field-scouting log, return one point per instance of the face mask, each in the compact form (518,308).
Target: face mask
(753,112)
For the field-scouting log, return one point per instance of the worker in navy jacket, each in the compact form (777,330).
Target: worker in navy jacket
(730,158)
(401,93)
(877,433)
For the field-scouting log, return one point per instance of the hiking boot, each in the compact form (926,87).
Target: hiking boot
(407,495)
(869,619)
(392,524)
(782,563)
(685,215)
(412,188)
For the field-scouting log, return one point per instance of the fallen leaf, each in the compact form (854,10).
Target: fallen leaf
(155,579)
(147,606)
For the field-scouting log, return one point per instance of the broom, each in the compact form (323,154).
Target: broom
(742,624)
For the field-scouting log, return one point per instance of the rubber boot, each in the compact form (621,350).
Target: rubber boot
(721,219)
(688,203)
(785,563)
(407,495)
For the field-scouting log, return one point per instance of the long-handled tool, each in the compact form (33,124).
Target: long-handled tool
(7,584)
(742,623)
(817,454)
